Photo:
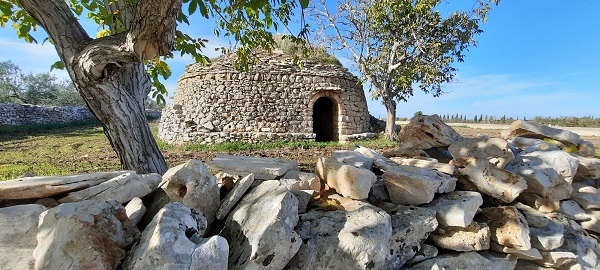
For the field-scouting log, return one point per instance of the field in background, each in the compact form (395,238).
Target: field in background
(83,148)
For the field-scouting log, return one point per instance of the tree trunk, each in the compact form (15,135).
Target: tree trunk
(109,73)
(390,123)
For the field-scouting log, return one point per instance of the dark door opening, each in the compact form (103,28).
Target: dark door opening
(323,119)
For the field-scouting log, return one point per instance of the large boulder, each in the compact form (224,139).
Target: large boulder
(456,208)
(409,185)
(262,168)
(91,234)
(495,150)
(18,229)
(173,241)
(261,228)
(589,168)
(122,188)
(357,238)
(46,186)
(508,226)
(193,185)
(526,129)
(488,179)
(424,132)
(347,180)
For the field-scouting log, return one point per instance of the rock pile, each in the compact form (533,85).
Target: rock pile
(500,203)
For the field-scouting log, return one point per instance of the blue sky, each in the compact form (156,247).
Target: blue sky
(535,58)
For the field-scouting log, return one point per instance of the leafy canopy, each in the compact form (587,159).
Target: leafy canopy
(247,22)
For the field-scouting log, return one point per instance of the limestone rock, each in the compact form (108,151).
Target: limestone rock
(524,143)
(508,226)
(456,208)
(556,259)
(491,180)
(589,168)
(586,149)
(383,161)
(425,253)
(104,226)
(464,260)
(424,132)
(409,185)
(193,185)
(304,197)
(572,210)
(240,188)
(548,173)
(358,237)
(495,150)
(349,181)
(526,129)
(410,227)
(46,186)
(474,237)
(578,241)
(538,202)
(530,254)
(353,158)
(379,191)
(18,229)
(172,241)
(545,234)
(122,188)
(593,224)
(262,168)
(261,228)
(135,210)
(427,164)
(297,180)
(588,197)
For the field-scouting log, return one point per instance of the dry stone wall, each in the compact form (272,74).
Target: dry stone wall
(274,101)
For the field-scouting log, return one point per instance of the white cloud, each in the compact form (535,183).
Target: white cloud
(30,57)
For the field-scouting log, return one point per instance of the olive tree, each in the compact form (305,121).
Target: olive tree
(115,69)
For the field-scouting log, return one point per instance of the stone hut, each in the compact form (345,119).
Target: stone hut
(275,100)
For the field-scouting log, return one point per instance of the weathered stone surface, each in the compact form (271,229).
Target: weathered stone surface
(593,224)
(508,226)
(586,149)
(427,164)
(589,168)
(410,227)
(135,210)
(193,185)
(239,189)
(530,254)
(261,228)
(548,173)
(354,239)
(353,158)
(18,229)
(572,210)
(545,234)
(349,181)
(474,237)
(495,150)
(588,197)
(409,185)
(524,143)
(384,162)
(578,241)
(425,253)
(530,265)
(104,226)
(46,186)
(526,129)
(424,132)
(379,191)
(538,202)
(297,180)
(304,197)
(172,241)
(464,260)
(262,168)
(556,259)
(456,208)
(122,188)
(491,180)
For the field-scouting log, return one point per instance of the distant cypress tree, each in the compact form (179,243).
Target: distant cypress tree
(475,119)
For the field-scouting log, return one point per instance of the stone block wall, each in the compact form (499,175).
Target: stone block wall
(22,114)
(273,101)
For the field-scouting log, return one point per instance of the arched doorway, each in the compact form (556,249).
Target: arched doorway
(325,120)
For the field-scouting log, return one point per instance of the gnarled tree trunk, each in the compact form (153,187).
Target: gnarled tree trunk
(390,122)
(109,73)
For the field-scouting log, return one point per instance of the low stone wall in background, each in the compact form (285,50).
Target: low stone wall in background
(24,114)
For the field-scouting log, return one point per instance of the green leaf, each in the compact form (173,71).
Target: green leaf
(58,65)
(304,3)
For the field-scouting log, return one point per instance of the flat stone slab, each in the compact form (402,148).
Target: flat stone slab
(18,229)
(456,208)
(122,188)
(526,129)
(427,164)
(240,188)
(262,168)
(46,186)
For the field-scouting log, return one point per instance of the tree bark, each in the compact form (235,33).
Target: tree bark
(109,72)
(390,123)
